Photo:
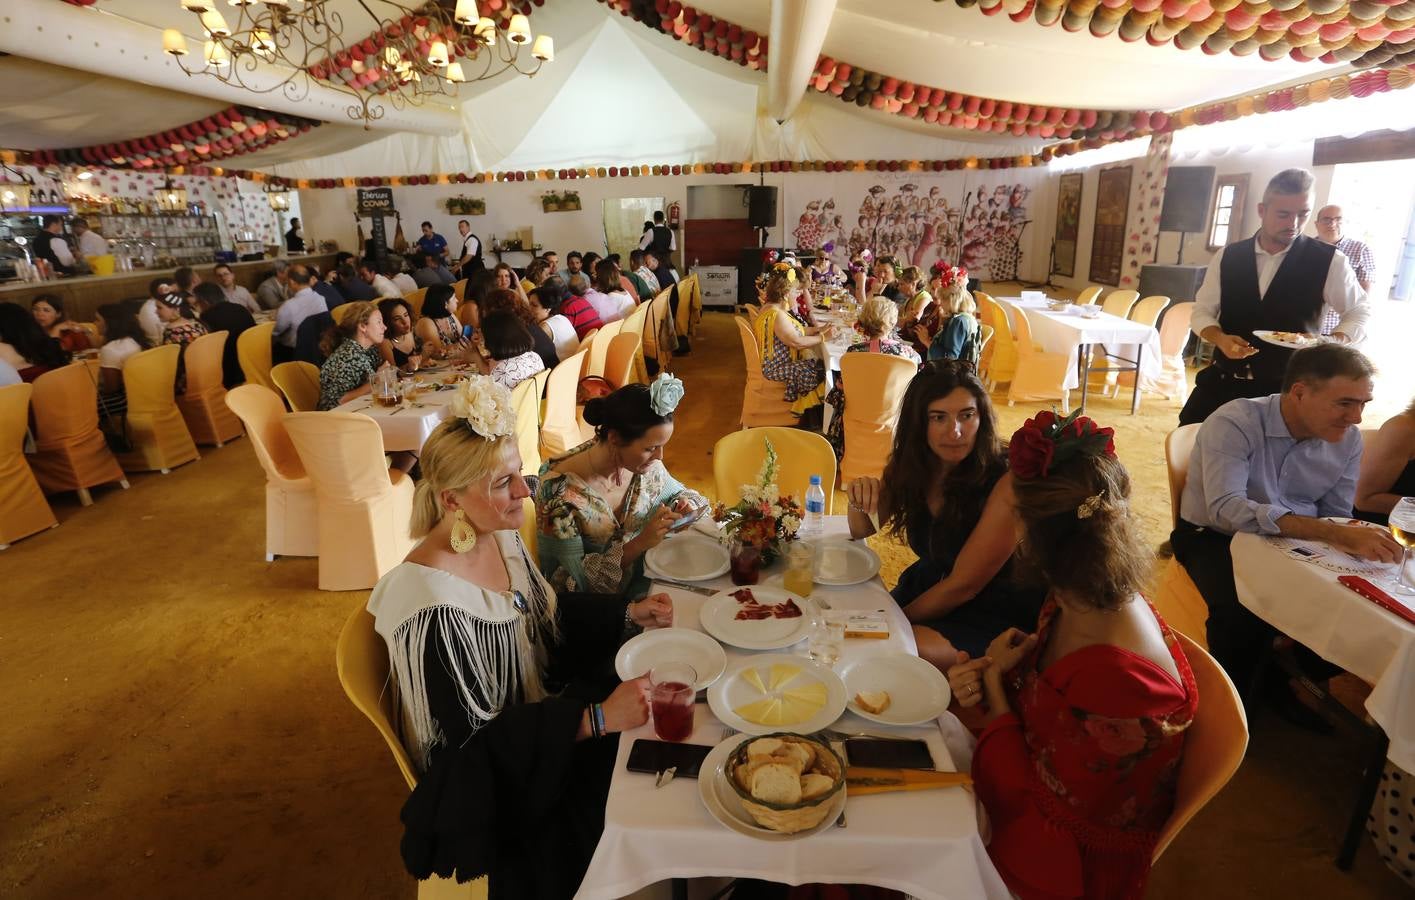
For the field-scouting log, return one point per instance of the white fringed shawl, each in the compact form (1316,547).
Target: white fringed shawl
(495,650)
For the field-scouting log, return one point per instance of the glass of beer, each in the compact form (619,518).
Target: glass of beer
(1402,528)
(386,389)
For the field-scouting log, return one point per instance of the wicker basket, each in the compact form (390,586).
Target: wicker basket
(789,819)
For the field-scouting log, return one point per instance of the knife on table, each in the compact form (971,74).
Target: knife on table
(687,586)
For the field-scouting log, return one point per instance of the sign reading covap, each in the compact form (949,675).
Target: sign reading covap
(373,201)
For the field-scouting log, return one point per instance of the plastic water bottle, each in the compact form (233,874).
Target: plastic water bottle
(813,525)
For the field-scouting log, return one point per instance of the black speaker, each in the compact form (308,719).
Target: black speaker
(1187,192)
(761,206)
(1178,283)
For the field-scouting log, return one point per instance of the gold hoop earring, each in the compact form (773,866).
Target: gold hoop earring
(463,537)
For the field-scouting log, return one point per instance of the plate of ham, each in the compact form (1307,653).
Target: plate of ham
(758,618)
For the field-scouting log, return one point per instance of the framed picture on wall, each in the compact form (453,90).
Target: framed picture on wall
(1108,239)
(1068,224)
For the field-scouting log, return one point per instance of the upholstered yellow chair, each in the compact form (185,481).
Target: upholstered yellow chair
(459,290)
(1175,595)
(660,334)
(23,509)
(362,660)
(340,311)
(299,383)
(985,351)
(70,452)
(525,400)
(253,349)
(634,324)
(1040,375)
(561,430)
(291,511)
(753,310)
(528,525)
(738,456)
(1174,335)
(415,302)
(1003,363)
(874,390)
(1088,295)
(364,508)
(203,405)
(1178,449)
(160,437)
(597,343)
(1145,312)
(690,306)
(619,365)
(1119,303)
(763,401)
(1214,743)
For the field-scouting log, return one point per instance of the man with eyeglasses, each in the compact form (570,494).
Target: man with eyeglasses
(1329,221)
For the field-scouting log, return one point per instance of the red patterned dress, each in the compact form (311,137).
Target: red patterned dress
(1078,780)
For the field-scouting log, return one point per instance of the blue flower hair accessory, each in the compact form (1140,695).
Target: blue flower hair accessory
(665,393)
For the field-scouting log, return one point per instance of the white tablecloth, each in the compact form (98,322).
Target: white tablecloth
(1066,332)
(1307,603)
(404,427)
(924,843)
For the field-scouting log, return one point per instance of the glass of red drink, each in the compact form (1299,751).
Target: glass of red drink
(671,699)
(745,562)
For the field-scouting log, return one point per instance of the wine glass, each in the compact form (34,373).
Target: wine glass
(1402,528)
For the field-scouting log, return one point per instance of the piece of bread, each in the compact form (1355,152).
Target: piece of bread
(776,783)
(800,753)
(814,785)
(764,747)
(873,702)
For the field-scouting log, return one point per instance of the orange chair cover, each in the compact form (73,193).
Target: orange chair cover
(364,508)
(23,509)
(459,290)
(291,511)
(70,452)
(874,387)
(763,401)
(1040,375)
(160,437)
(254,351)
(738,457)
(562,430)
(209,420)
(623,351)
(525,400)
(299,383)
(415,302)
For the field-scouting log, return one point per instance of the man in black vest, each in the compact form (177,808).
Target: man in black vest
(470,262)
(51,246)
(1276,280)
(659,238)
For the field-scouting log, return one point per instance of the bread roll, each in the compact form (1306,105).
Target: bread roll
(800,753)
(776,783)
(814,785)
(764,747)
(873,702)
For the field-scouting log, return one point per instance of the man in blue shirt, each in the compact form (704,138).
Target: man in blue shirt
(1275,465)
(432,242)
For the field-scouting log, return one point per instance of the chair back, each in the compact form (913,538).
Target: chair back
(459,290)
(1088,295)
(876,383)
(525,400)
(658,328)
(1147,311)
(14,418)
(1119,303)
(1214,743)
(528,525)
(624,349)
(1174,328)
(203,358)
(561,432)
(362,660)
(65,404)
(738,456)
(1003,363)
(985,333)
(150,377)
(415,302)
(299,382)
(763,402)
(23,509)
(597,342)
(262,412)
(340,311)
(753,310)
(342,454)
(254,352)
(1025,345)
(1178,448)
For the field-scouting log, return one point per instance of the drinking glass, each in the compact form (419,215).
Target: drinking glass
(671,698)
(827,638)
(1402,528)
(800,577)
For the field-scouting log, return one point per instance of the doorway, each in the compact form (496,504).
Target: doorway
(625,219)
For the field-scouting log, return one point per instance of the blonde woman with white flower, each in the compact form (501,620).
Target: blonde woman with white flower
(488,671)
(606,503)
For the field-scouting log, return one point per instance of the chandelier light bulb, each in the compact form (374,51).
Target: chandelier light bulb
(544,48)
(197,6)
(173,42)
(520,30)
(485,31)
(437,54)
(466,12)
(216,55)
(262,45)
(215,24)
(391,56)
(454,73)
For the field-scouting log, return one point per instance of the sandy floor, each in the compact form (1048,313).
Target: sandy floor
(175,728)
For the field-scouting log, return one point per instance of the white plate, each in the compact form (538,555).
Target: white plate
(918,692)
(732,691)
(840,561)
(726,807)
(719,618)
(1271,338)
(661,645)
(690,556)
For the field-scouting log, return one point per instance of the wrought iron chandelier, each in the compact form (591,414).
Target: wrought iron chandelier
(411,54)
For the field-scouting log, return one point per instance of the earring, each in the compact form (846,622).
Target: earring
(463,538)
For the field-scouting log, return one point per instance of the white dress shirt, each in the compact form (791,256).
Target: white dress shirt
(1341,292)
(91,244)
(404,282)
(241,297)
(647,240)
(149,322)
(386,289)
(301,305)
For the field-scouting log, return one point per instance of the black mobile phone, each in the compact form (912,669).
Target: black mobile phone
(888,753)
(655,756)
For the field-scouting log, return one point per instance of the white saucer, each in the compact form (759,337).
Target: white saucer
(642,652)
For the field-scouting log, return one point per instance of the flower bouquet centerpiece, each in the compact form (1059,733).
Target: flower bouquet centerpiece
(760,524)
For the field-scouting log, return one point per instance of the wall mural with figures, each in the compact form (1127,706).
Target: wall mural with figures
(982,221)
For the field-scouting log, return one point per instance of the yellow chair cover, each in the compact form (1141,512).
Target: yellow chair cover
(763,402)
(634,324)
(299,382)
(1178,449)
(624,350)
(660,335)
(339,312)
(1145,312)
(415,302)
(1088,295)
(459,290)
(597,343)
(525,400)
(1176,596)
(23,509)
(70,452)
(763,331)
(690,306)
(291,512)
(254,352)
(160,437)
(562,431)
(985,352)
(204,404)
(874,386)
(1173,381)
(1003,364)
(1040,375)
(738,457)
(528,525)
(364,508)
(1119,303)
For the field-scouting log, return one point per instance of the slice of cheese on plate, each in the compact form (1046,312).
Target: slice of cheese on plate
(754,678)
(762,712)
(814,692)
(782,675)
(795,710)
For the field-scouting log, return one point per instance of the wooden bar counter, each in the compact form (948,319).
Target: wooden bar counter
(83,295)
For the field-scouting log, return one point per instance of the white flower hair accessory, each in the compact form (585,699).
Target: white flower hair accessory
(485,406)
(665,394)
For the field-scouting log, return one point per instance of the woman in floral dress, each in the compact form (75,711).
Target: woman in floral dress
(784,339)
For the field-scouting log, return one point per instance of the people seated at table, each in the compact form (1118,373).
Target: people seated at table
(512,302)
(661,265)
(351,355)
(949,328)
(536,273)
(607,502)
(397,273)
(626,279)
(876,322)
(574,265)
(1387,468)
(573,304)
(645,271)
(27,346)
(431,271)
(276,288)
(946,492)
(545,309)
(1276,465)
(233,292)
(496,681)
(179,324)
(823,269)
(219,314)
(879,281)
(510,353)
(401,346)
(326,288)
(608,297)
(147,310)
(789,348)
(1086,718)
(804,301)
(370,273)
(642,291)
(303,303)
(504,278)
(123,338)
(912,286)
(48,313)
(479,285)
(438,326)
(589,264)
(351,286)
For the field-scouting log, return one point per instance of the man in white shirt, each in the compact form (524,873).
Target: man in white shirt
(1276,280)
(368,271)
(471,259)
(147,314)
(90,242)
(402,280)
(302,304)
(236,294)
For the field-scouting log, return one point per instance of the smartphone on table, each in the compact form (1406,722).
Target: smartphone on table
(653,757)
(888,753)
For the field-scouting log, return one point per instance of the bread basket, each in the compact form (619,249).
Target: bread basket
(789,819)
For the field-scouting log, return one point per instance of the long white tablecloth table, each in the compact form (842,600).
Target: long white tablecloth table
(407,426)
(1131,344)
(925,843)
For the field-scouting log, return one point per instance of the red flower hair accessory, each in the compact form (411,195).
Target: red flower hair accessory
(1044,441)
(949,275)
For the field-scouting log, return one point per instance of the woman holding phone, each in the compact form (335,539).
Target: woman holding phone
(442,334)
